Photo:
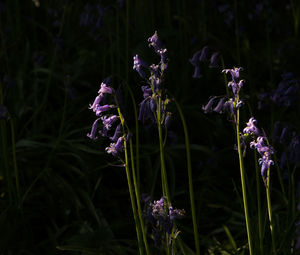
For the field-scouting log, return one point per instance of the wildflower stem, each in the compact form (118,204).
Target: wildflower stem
(242,172)
(190,177)
(260,227)
(270,211)
(162,158)
(138,198)
(131,193)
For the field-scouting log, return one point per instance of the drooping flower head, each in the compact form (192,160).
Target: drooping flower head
(251,127)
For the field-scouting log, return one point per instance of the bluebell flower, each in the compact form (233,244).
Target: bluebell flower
(145,112)
(155,42)
(92,135)
(108,121)
(105,89)
(100,109)
(214,60)
(196,63)
(147,91)
(204,56)
(117,133)
(265,152)
(220,106)
(251,127)
(235,73)
(116,148)
(168,120)
(138,64)
(209,106)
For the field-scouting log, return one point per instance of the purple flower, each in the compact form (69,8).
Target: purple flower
(138,64)
(265,152)
(100,109)
(147,91)
(104,89)
(108,121)
(204,56)
(195,59)
(209,106)
(96,102)
(155,42)
(116,148)
(92,135)
(168,119)
(117,134)
(214,60)
(145,112)
(197,73)
(235,73)
(251,127)
(220,106)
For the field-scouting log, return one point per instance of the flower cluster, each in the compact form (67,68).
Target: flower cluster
(108,120)
(286,94)
(161,216)
(153,90)
(224,103)
(260,144)
(204,55)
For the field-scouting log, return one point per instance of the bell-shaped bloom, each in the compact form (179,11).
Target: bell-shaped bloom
(108,121)
(251,127)
(214,60)
(155,42)
(117,133)
(105,89)
(209,106)
(235,73)
(116,148)
(92,134)
(138,64)
(103,108)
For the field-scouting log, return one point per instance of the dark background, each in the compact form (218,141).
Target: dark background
(60,190)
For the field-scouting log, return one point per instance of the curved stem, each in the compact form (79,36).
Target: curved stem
(190,176)
(162,158)
(132,198)
(138,198)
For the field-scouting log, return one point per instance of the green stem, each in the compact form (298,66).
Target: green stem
(242,172)
(132,199)
(164,179)
(190,176)
(270,212)
(138,198)
(260,227)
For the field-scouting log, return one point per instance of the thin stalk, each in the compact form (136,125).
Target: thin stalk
(131,193)
(164,179)
(190,176)
(138,198)
(137,142)
(260,227)
(242,172)
(295,13)
(270,212)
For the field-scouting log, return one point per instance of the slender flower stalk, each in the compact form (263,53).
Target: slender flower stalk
(242,173)
(131,192)
(190,176)
(270,211)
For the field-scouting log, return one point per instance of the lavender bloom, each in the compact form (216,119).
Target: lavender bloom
(235,73)
(161,215)
(108,121)
(204,56)
(92,135)
(116,148)
(155,42)
(145,112)
(96,102)
(138,64)
(251,127)
(147,91)
(220,106)
(214,60)
(100,109)
(196,63)
(265,151)
(208,107)
(105,89)
(117,134)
